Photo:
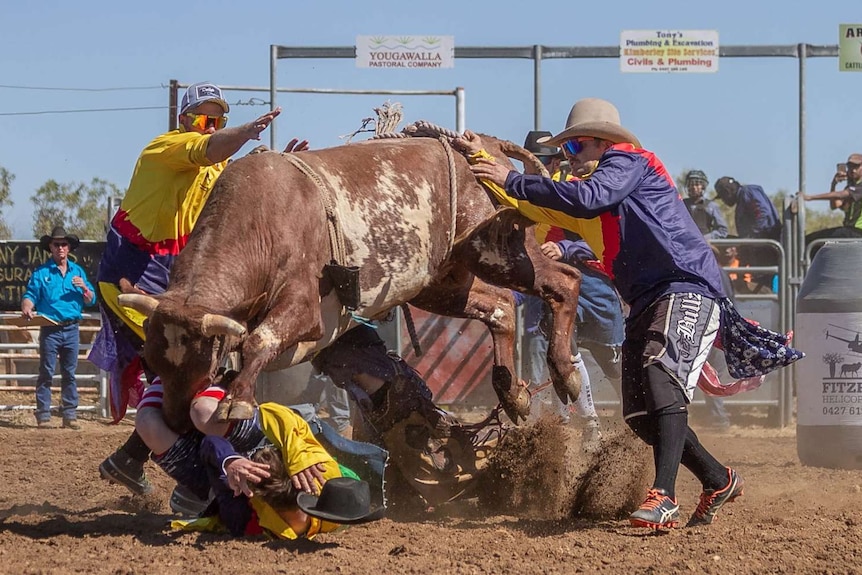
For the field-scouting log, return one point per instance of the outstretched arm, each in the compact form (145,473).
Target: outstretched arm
(836,195)
(226,142)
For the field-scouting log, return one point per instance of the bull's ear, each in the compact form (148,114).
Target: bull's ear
(250,307)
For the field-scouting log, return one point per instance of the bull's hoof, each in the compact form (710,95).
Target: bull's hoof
(568,388)
(517,407)
(241,410)
(223,409)
(234,409)
(513,395)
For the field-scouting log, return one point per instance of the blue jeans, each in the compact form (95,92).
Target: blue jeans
(535,359)
(57,341)
(718,414)
(334,399)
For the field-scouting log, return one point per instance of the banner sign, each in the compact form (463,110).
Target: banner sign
(18,260)
(405,52)
(850,47)
(669,51)
(832,373)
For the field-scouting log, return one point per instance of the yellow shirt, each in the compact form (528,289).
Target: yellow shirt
(589,229)
(170,185)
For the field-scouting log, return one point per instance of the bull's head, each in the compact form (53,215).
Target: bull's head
(184,346)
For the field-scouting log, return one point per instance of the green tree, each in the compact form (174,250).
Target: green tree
(80,208)
(6,179)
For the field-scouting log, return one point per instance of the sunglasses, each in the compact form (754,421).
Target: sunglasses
(851,166)
(60,244)
(574,147)
(547,160)
(204,121)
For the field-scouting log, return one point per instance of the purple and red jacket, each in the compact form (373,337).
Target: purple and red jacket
(652,245)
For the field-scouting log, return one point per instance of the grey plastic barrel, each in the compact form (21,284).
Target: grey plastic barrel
(829,379)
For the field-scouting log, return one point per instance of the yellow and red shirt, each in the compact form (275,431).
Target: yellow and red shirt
(170,185)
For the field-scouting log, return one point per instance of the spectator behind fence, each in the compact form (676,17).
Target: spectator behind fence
(849,200)
(58,291)
(705,212)
(756,218)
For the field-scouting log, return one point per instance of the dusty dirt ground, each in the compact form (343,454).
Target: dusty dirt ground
(57,516)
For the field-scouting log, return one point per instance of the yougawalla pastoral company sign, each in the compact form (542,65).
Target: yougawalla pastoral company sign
(405,52)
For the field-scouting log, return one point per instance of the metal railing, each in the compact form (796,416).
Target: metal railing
(16,354)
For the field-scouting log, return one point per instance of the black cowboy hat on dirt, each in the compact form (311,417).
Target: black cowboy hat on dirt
(59,233)
(342,500)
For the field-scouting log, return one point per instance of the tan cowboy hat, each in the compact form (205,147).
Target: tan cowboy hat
(593,117)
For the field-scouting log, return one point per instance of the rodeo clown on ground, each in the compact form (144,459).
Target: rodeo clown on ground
(678,306)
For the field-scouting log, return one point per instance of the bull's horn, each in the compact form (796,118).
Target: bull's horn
(515,151)
(141,303)
(212,325)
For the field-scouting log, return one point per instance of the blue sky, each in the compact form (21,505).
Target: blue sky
(740,121)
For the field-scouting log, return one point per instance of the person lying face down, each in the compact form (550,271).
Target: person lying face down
(258,494)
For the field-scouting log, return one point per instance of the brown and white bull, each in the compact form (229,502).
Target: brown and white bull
(407,212)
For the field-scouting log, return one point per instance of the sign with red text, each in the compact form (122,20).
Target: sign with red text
(669,51)
(405,52)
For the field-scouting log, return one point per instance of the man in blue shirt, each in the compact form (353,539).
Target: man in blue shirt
(58,291)
(756,218)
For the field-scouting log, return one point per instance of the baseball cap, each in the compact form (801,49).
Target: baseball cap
(202,92)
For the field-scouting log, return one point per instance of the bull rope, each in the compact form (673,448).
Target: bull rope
(388,118)
(336,234)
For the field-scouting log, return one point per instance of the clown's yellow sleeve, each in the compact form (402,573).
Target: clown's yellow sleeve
(299,448)
(589,229)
